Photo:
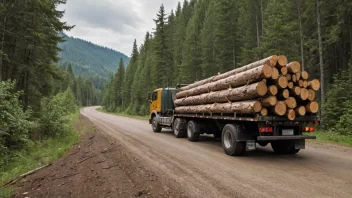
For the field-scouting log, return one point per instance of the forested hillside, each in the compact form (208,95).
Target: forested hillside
(203,37)
(89,60)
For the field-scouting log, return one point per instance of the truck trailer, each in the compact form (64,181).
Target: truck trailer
(238,132)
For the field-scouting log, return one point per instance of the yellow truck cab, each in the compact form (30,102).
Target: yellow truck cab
(161,107)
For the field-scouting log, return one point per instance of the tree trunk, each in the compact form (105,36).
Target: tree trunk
(237,80)
(245,107)
(301,32)
(261,11)
(2,44)
(271,61)
(246,92)
(321,63)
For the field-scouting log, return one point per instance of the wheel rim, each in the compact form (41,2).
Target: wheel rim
(227,139)
(154,123)
(189,130)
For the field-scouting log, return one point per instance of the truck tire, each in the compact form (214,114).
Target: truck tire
(193,131)
(284,147)
(155,125)
(180,128)
(229,141)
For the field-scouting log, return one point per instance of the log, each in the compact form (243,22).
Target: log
(312,107)
(294,67)
(291,102)
(291,114)
(289,77)
(300,110)
(270,61)
(273,90)
(283,94)
(300,83)
(243,93)
(275,74)
(294,78)
(305,84)
(303,95)
(269,101)
(245,107)
(237,80)
(281,82)
(284,70)
(282,61)
(314,84)
(298,75)
(264,111)
(279,109)
(304,75)
(295,91)
(311,95)
(290,85)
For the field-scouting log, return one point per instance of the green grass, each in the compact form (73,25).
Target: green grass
(38,154)
(332,137)
(101,109)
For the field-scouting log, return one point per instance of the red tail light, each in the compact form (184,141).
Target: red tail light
(265,129)
(311,129)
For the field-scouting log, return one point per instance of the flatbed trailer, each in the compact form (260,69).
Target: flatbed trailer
(238,132)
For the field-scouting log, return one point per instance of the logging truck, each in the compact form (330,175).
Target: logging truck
(255,104)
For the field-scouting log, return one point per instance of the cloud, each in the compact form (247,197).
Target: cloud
(113,23)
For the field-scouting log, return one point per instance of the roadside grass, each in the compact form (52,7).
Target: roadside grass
(101,109)
(333,137)
(38,154)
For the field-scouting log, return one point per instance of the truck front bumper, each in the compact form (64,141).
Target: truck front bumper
(293,137)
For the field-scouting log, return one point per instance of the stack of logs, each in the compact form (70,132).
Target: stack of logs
(271,86)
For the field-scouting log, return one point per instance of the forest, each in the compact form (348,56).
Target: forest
(202,38)
(36,96)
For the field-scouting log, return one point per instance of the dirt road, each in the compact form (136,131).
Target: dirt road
(203,170)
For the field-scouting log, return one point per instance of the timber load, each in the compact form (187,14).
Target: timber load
(269,87)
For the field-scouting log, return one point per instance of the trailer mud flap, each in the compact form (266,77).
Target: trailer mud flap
(250,145)
(300,144)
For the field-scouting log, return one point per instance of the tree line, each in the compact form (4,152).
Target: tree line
(203,37)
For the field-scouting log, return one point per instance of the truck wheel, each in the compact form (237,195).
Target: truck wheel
(193,131)
(229,141)
(155,125)
(284,147)
(179,128)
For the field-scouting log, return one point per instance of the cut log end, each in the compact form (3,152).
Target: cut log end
(267,71)
(314,84)
(273,60)
(290,85)
(284,70)
(311,94)
(273,90)
(291,114)
(262,89)
(282,82)
(301,111)
(298,75)
(269,101)
(294,78)
(275,74)
(264,111)
(312,107)
(291,102)
(305,84)
(279,109)
(304,94)
(289,77)
(296,91)
(257,107)
(294,67)
(284,94)
(305,75)
(282,60)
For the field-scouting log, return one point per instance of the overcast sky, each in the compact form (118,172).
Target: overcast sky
(113,23)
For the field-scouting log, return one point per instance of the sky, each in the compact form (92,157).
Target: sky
(113,23)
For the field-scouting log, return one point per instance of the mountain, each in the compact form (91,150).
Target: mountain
(88,59)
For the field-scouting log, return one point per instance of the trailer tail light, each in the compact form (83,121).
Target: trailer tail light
(311,129)
(308,129)
(265,129)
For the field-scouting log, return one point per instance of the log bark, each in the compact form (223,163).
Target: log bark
(294,67)
(291,114)
(273,90)
(291,102)
(300,110)
(312,107)
(284,70)
(311,95)
(282,61)
(279,109)
(245,107)
(314,84)
(283,94)
(237,80)
(243,93)
(270,61)
(305,75)
(269,101)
